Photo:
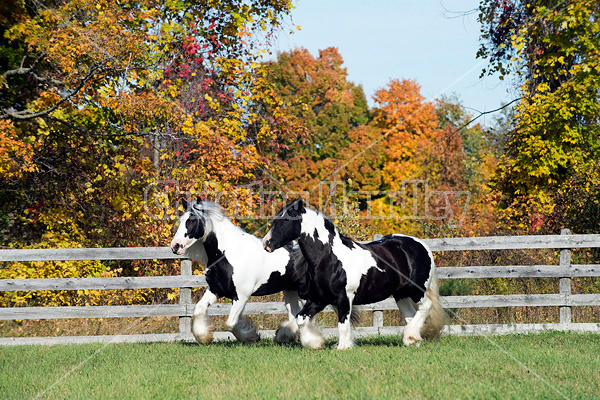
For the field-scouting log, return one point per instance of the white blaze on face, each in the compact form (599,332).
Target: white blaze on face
(181,241)
(266,239)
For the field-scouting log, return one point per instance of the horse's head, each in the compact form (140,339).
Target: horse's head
(286,227)
(193,226)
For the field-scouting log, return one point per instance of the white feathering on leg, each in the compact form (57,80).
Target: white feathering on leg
(287,332)
(202,329)
(345,341)
(201,326)
(309,334)
(245,330)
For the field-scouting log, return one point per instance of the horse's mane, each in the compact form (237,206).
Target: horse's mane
(207,210)
(321,217)
(210,213)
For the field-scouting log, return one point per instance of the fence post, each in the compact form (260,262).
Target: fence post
(564,284)
(185,298)
(377,319)
(377,314)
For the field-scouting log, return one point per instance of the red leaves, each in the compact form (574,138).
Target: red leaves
(190,45)
(537,222)
(206,82)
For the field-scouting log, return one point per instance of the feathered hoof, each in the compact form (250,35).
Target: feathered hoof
(285,334)
(345,346)
(205,338)
(314,343)
(202,330)
(412,341)
(312,339)
(245,331)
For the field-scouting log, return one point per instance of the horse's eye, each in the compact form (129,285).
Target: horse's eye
(191,223)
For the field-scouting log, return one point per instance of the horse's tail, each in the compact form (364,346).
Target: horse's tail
(436,318)
(356,316)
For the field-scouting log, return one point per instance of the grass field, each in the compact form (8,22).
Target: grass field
(544,366)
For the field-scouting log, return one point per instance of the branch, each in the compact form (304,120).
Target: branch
(480,115)
(27,115)
(21,70)
(88,132)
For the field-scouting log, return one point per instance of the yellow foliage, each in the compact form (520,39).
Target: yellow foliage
(16,156)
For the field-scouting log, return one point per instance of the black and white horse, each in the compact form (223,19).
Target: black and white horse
(237,267)
(344,273)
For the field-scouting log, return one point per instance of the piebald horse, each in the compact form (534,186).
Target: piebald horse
(237,267)
(344,273)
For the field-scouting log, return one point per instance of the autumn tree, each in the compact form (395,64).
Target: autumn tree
(409,123)
(551,49)
(436,166)
(468,157)
(334,111)
(111,110)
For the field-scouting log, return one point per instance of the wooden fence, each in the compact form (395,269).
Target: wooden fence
(564,271)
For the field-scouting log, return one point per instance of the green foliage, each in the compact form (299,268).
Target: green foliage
(554,47)
(578,205)
(456,287)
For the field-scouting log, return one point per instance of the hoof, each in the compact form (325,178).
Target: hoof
(202,330)
(245,331)
(345,346)
(250,339)
(205,338)
(315,342)
(412,341)
(285,334)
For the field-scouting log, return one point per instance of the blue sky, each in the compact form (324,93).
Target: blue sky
(394,39)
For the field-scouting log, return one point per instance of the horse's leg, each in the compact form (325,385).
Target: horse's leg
(407,309)
(309,334)
(344,311)
(286,333)
(201,327)
(412,331)
(242,327)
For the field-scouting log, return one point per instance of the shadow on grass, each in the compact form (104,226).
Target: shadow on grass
(330,344)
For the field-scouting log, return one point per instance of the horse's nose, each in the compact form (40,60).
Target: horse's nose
(266,242)
(176,248)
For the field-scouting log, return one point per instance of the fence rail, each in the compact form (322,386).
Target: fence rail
(445,244)
(564,271)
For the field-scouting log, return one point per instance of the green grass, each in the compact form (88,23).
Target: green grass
(549,365)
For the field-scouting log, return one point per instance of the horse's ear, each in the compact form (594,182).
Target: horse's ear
(299,204)
(199,199)
(185,204)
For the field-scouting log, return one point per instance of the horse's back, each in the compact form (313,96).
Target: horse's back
(407,257)
(414,249)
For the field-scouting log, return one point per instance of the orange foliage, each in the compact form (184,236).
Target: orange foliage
(409,124)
